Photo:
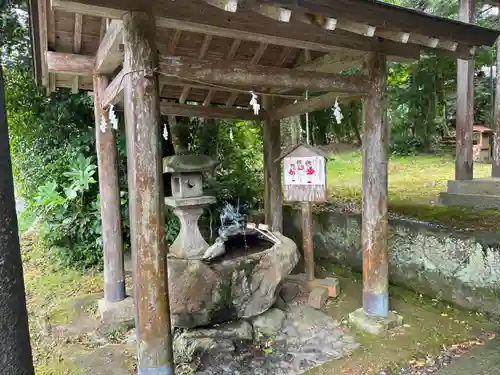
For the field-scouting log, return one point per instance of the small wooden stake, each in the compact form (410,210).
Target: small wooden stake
(307,242)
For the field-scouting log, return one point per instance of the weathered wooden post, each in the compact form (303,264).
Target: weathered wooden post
(495,168)
(15,345)
(147,220)
(465,104)
(272,171)
(375,317)
(107,161)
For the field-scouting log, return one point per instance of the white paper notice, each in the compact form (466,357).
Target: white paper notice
(304,171)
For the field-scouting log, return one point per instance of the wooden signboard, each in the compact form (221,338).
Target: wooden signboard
(304,174)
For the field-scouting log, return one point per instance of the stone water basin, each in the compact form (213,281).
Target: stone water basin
(243,283)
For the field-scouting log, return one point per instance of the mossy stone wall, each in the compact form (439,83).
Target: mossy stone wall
(460,268)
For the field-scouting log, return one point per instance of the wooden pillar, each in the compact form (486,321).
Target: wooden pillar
(495,168)
(15,345)
(273,199)
(147,220)
(107,161)
(465,103)
(374,215)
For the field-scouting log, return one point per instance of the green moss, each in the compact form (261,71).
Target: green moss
(59,368)
(429,325)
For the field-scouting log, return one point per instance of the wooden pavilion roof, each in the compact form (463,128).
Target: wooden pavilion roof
(305,35)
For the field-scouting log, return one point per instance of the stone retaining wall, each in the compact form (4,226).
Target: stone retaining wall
(460,268)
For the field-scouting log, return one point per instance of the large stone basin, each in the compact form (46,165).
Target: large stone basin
(238,285)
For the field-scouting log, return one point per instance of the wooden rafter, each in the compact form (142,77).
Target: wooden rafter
(51,41)
(260,30)
(310,105)
(201,56)
(110,53)
(188,110)
(255,60)
(42,14)
(230,55)
(77,46)
(70,63)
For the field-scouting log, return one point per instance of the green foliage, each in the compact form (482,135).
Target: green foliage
(238,147)
(53,152)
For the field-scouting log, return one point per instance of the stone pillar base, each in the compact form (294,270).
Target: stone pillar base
(477,193)
(372,324)
(116,312)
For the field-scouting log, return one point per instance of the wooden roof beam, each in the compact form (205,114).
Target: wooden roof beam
(312,104)
(110,53)
(190,110)
(245,75)
(70,63)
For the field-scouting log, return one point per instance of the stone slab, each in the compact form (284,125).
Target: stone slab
(470,200)
(481,186)
(116,312)
(307,339)
(318,297)
(330,283)
(187,202)
(374,325)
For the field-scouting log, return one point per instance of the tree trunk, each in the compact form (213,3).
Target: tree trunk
(15,348)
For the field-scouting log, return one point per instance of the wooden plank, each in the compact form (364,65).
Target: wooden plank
(107,162)
(312,104)
(272,170)
(464,160)
(244,26)
(70,63)
(243,74)
(188,110)
(110,53)
(374,234)
(146,206)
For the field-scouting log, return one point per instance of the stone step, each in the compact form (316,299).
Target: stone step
(482,186)
(470,200)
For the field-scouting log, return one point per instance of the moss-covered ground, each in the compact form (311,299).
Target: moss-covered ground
(414,185)
(430,326)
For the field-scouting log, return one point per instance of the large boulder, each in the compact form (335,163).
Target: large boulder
(231,288)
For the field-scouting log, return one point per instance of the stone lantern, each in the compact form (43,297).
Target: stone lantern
(188,201)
